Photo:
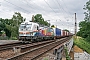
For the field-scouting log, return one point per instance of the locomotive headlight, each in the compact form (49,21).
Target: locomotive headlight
(20,32)
(27,32)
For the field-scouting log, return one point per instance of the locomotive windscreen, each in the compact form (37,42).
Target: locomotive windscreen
(25,26)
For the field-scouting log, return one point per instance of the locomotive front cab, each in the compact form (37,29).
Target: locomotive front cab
(27,30)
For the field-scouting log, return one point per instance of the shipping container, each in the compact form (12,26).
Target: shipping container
(57,32)
(66,33)
(63,32)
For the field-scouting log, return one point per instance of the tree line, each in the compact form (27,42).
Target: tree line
(84,30)
(10,26)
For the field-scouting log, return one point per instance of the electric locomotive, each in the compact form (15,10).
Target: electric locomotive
(30,31)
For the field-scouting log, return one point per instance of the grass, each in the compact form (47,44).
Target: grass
(80,42)
(45,58)
(67,55)
(3,38)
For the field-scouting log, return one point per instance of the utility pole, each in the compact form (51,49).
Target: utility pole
(32,18)
(75,25)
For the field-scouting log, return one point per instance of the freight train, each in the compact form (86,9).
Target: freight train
(30,31)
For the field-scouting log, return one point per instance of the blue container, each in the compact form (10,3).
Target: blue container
(58,32)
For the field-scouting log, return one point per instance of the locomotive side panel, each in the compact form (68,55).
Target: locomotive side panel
(47,33)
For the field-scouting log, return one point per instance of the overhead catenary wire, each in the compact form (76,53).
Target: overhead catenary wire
(63,9)
(32,7)
(28,4)
(37,5)
(66,6)
(67,10)
(60,7)
(49,6)
(16,6)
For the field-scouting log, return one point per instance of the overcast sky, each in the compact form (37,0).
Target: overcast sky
(59,12)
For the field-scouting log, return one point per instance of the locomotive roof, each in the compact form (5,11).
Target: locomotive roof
(29,23)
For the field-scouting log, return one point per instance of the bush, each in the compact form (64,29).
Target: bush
(83,44)
(3,38)
(88,39)
(13,38)
(46,59)
(67,55)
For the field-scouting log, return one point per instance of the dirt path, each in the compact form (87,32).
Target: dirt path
(77,49)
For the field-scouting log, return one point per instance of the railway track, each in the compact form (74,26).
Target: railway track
(9,46)
(32,54)
(7,53)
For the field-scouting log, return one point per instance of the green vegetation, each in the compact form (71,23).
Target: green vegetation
(40,20)
(13,38)
(66,30)
(85,25)
(53,26)
(67,55)
(84,31)
(46,59)
(4,38)
(9,27)
(83,44)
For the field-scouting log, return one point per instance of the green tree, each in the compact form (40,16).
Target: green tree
(53,26)
(3,27)
(40,20)
(10,26)
(16,20)
(85,25)
(66,30)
